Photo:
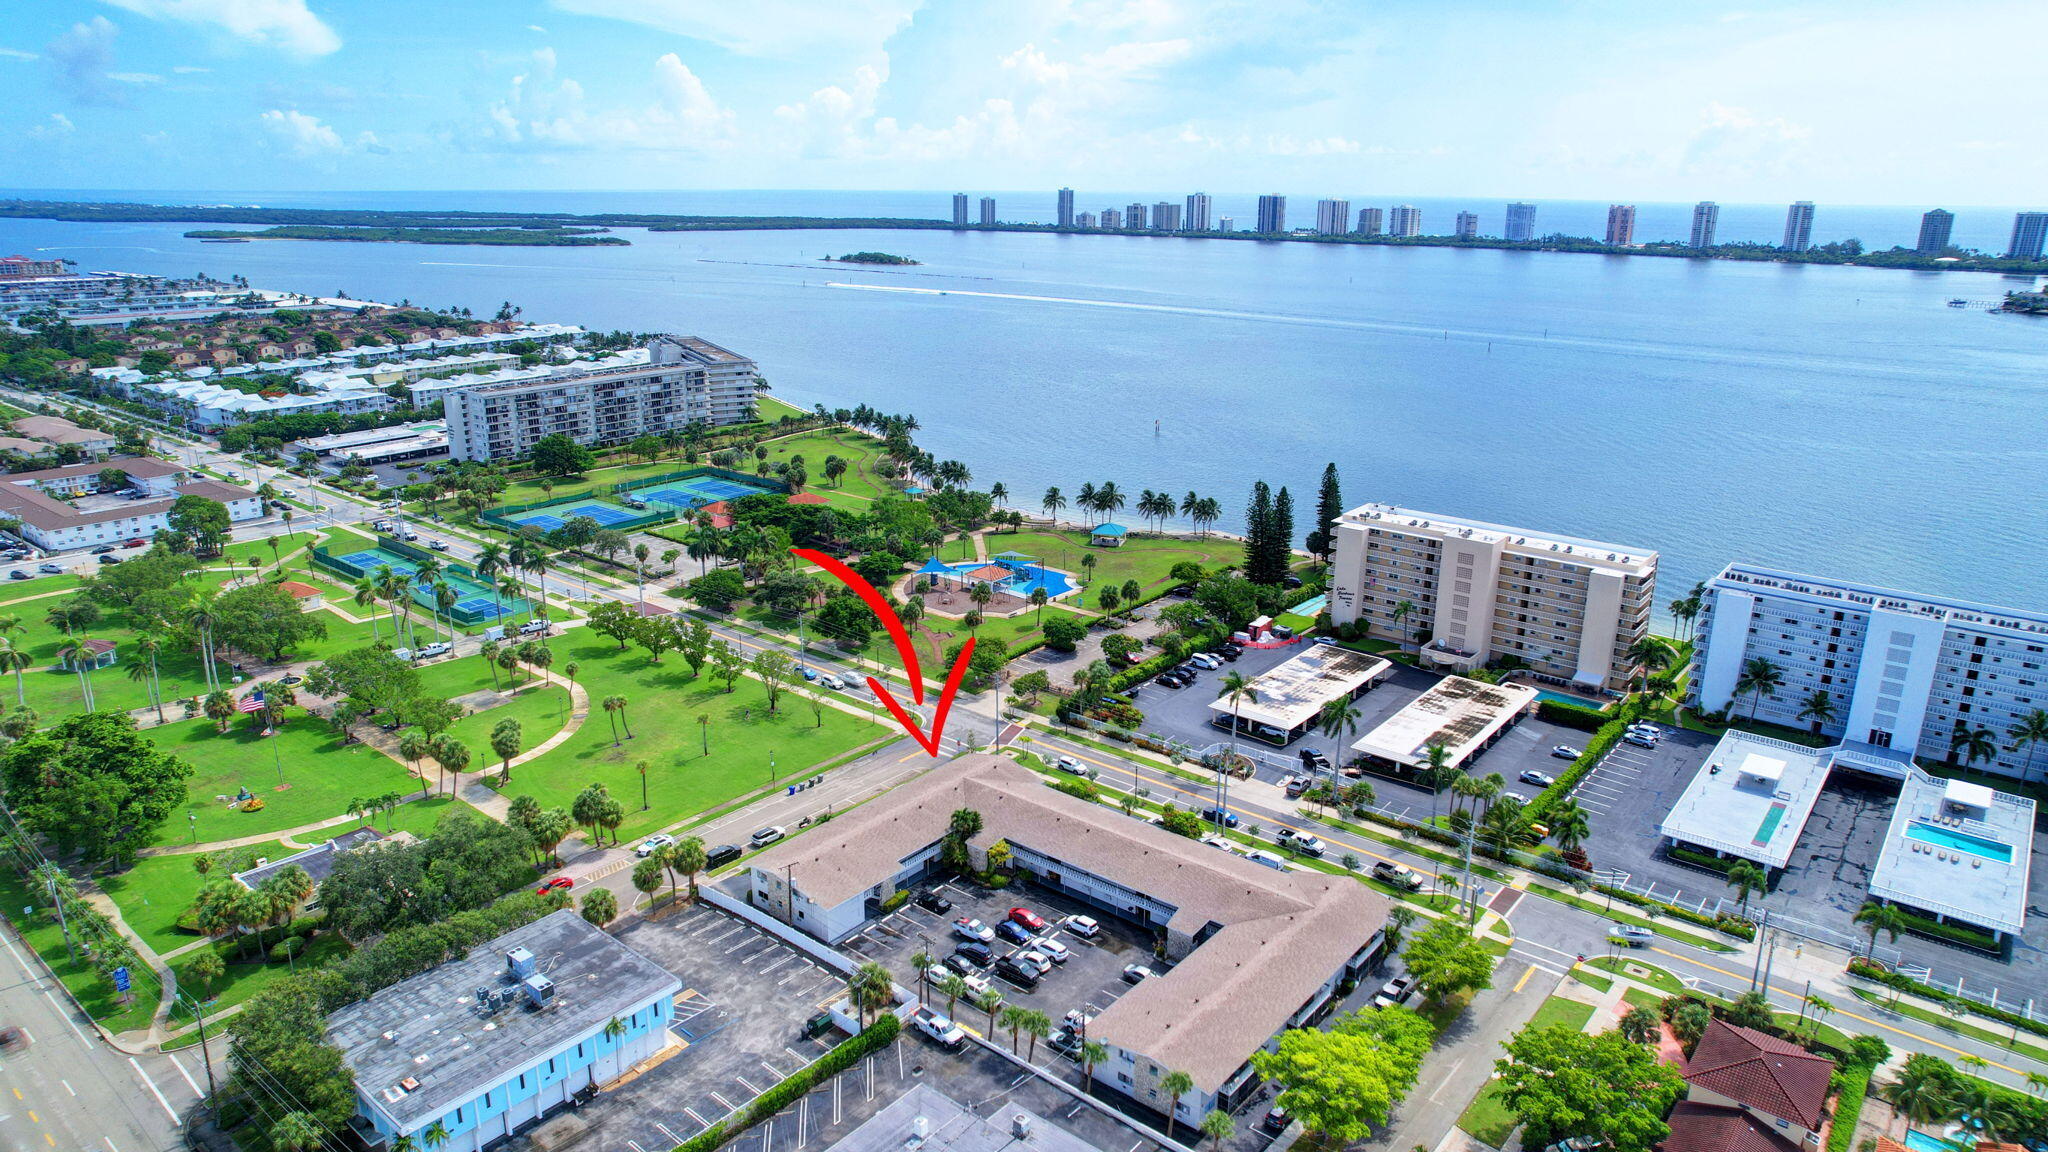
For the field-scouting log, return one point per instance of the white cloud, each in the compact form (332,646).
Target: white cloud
(536,28)
(305,136)
(57,125)
(135,77)
(545,110)
(282,24)
(82,56)
(189,69)
(764,27)
(16,54)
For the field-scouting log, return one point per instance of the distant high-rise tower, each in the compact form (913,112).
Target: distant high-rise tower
(1798,227)
(1404,220)
(1369,221)
(1272,214)
(1333,217)
(1166,216)
(1227,224)
(1521,221)
(1197,218)
(1934,229)
(1112,219)
(1468,226)
(959,209)
(1085,220)
(1134,215)
(1066,207)
(2029,229)
(1621,224)
(1706,216)
(988,209)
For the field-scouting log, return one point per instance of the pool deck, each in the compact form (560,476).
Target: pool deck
(1751,798)
(1958,884)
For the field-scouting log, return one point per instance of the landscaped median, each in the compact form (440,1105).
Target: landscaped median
(874,1038)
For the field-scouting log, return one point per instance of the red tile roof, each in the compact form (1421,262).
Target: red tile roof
(298,590)
(1773,1076)
(1699,1127)
(807,498)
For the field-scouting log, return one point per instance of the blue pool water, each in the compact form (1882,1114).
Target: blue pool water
(1922,1142)
(1563,698)
(1956,841)
(1310,607)
(1024,578)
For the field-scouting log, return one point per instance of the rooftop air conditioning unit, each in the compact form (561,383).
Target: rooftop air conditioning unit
(520,963)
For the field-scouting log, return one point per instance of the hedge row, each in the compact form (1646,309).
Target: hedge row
(1953,933)
(1855,1081)
(1734,926)
(792,1089)
(1603,741)
(1699,859)
(1571,715)
(1869,970)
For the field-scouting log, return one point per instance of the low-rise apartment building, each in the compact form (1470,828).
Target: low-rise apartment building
(1254,950)
(61,509)
(685,380)
(1898,669)
(1473,593)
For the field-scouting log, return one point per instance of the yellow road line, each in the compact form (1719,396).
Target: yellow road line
(1526,973)
(32,1114)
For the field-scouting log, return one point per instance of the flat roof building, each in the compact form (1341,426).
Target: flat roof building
(1899,669)
(1621,225)
(1798,226)
(1568,608)
(1291,695)
(1749,800)
(488,1043)
(1465,716)
(1254,950)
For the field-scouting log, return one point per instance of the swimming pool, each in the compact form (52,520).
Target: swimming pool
(1024,578)
(1956,841)
(1921,1142)
(1311,606)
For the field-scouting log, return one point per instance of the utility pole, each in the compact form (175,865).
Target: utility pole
(1762,926)
(199,1014)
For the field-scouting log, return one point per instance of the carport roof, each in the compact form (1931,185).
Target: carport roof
(1459,713)
(1292,693)
(1280,935)
(1750,798)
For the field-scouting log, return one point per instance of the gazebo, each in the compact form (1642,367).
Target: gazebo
(1108,535)
(97,654)
(994,575)
(807,498)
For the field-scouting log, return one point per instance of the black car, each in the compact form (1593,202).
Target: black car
(933,902)
(110,559)
(103,549)
(1171,680)
(1275,1121)
(976,953)
(1014,932)
(1016,972)
(1291,582)
(1218,816)
(722,855)
(18,574)
(1230,654)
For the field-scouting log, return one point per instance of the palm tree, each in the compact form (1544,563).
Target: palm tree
(1759,675)
(1238,687)
(1974,743)
(1570,826)
(1039,597)
(1339,720)
(435,1136)
(149,644)
(1092,1053)
(616,706)
(1038,1026)
(14,660)
(1013,1018)
(2029,733)
(1878,917)
(871,989)
(1650,654)
(413,746)
(1818,707)
(1402,614)
(954,988)
(1923,1091)
(1745,877)
(1821,1006)
(364,592)
(1175,1084)
(296,1132)
(1218,1127)
(1088,562)
(1439,759)
(1642,1024)
(1053,504)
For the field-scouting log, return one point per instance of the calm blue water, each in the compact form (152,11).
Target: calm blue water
(1836,420)
(1025,580)
(1959,841)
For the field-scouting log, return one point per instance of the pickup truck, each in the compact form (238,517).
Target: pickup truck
(1393,992)
(1399,875)
(943,1031)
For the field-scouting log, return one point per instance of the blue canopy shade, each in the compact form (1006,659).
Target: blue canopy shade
(935,567)
(1108,530)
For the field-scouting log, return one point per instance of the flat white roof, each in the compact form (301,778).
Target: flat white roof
(1522,540)
(1458,713)
(1292,693)
(1964,792)
(1968,862)
(1750,799)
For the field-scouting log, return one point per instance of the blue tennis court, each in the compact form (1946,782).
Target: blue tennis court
(604,514)
(696,491)
(476,599)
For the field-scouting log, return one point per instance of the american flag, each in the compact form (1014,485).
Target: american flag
(253,702)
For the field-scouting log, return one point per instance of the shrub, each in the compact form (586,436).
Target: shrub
(1698,859)
(1878,973)
(1571,715)
(896,900)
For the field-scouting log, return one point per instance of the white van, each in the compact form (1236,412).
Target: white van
(1258,856)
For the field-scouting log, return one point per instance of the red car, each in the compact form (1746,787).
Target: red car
(1025,917)
(135,542)
(558,884)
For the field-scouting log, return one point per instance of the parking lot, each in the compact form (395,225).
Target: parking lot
(1090,981)
(746,996)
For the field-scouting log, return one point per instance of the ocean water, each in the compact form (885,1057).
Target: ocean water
(1841,421)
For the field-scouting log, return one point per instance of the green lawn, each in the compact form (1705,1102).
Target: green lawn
(1907,1008)
(541,710)
(40,586)
(1487,1119)
(1640,972)
(247,976)
(416,816)
(1640,998)
(859,450)
(41,932)
(1558,1010)
(321,772)
(664,705)
(156,890)
(1593,980)
(1146,559)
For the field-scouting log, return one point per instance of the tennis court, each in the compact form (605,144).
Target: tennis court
(606,515)
(696,491)
(475,600)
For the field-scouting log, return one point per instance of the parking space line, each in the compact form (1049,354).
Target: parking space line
(795,1055)
(803,1121)
(772,1069)
(747,1086)
(728,1105)
(635,1147)
(778,962)
(692,1114)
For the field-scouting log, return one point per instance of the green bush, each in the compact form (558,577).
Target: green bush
(897,899)
(1953,933)
(1698,859)
(1848,1106)
(1734,926)
(1877,973)
(1571,715)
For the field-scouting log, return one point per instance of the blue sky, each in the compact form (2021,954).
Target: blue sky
(1865,101)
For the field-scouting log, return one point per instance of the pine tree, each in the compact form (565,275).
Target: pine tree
(1322,540)
(1258,523)
(1282,542)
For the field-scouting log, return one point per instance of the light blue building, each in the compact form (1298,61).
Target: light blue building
(487,1045)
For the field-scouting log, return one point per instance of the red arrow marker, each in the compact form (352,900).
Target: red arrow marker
(905,649)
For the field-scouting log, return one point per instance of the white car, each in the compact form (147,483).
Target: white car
(653,844)
(437,648)
(1136,973)
(1051,949)
(533,626)
(1038,961)
(1205,660)
(968,928)
(1069,764)
(1083,926)
(831,681)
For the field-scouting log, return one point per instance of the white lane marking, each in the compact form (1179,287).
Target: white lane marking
(151,1085)
(110,1144)
(180,1066)
(665,1132)
(68,1087)
(42,985)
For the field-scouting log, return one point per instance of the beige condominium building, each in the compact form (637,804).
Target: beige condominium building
(1476,593)
(684,381)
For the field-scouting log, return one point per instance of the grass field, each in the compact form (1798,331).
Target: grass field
(321,772)
(245,977)
(1146,559)
(860,451)
(416,816)
(541,710)
(1488,1120)
(41,932)
(156,890)
(664,704)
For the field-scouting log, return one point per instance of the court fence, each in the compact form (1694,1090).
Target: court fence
(505,516)
(703,472)
(464,612)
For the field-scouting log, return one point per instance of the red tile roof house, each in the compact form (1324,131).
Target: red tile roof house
(1748,1091)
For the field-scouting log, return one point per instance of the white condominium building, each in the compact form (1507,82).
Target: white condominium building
(1476,592)
(684,381)
(1900,670)
(1333,217)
